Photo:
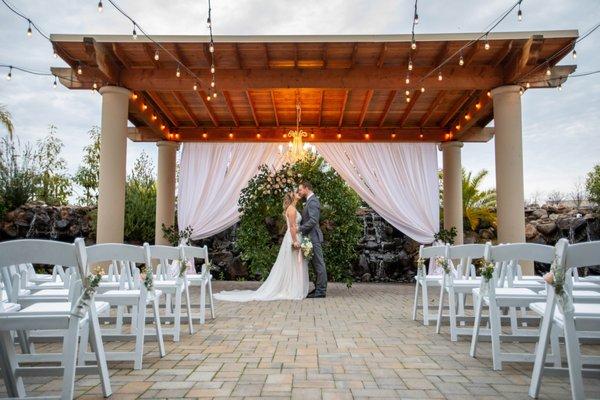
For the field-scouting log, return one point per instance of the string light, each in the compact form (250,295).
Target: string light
(574,54)
(134,32)
(9,75)
(211,47)
(461,61)
(413,44)
(521,91)
(520,13)
(55,55)
(440,77)
(422,89)
(79,69)
(195,86)
(408,99)
(212,83)
(407,80)
(548,71)
(215,95)
(410,64)
(95,86)
(528,85)
(100,8)
(178,73)
(416,19)
(54,84)
(208,98)
(487,43)
(560,86)
(212,69)
(156,55)
(29,31)
(407,93)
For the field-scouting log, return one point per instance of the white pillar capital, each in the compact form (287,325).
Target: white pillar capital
(446,145)
(505,89)
(114,89)
(167,143)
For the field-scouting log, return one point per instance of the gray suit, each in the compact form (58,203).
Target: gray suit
(309,225)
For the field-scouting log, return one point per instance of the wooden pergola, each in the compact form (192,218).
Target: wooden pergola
(351,88)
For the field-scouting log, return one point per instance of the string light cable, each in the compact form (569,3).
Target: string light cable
(561,77)
(30,71)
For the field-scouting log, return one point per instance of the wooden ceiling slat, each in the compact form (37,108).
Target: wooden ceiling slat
(365,107)
(232,112)
(209,108)
(251,103)
(353,57)
(409,106)
(321,107)
(455,108)
(121,56)
(186,107)
(381,58)
(150,54)
(343,108)
(268,65)
(274,108)
(238,57)
(155,97)
(387,107)
(503,53)
(432,107)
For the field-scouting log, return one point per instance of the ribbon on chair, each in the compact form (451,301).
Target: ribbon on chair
(557,277)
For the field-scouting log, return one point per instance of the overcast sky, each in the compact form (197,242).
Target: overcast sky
(561,129)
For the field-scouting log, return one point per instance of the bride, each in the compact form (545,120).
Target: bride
(288,279)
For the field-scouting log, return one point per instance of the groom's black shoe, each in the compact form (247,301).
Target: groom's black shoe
(313,295)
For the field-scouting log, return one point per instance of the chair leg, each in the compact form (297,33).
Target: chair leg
(438,323)
(555,346)
(416,301)
(514,326)
(540,353)
(210,299)
(476,325)
(495,331)
(95,336)
(177,316)
(452,307)
(188,307)
(425,301)
(140,323)
(8,365)
(119,323)
(573,359)
(70,359)
(159,335)
(83,344)
(202,302)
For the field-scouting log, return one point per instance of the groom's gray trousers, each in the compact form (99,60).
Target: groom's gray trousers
(319,264)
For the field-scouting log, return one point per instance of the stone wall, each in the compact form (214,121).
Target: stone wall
(384,253)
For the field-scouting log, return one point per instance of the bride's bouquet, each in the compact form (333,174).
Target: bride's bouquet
(307,247)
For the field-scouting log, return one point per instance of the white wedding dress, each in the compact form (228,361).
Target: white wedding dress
(288,279)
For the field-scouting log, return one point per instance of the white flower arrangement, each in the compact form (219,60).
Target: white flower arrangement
(306,247)
(443,263)
(556,278)
(421,267)
(90,284)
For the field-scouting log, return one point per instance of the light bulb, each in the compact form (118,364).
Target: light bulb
(410,65)
(208,23)
(195,86)
(79,70)
(95,86)
(548,71)
(100,7)
(134,33)
(29,31)
(520,14)
(528,85)
(215,95)
(212,69)
(54,84)
(178,73)
(440,77)
(416,18)
(156,55)
(55,55)
(413,45)
(212,84)
(486,45)
(560,86)
(407,93)
(461,61)
(422,89)
(521,91)
(574,54)
(408,99)
(407,80)
(211,47)
(208,97)
(9,75)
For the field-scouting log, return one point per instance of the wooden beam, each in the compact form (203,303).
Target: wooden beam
(409,106)
(503,53)
(121,56)
(274,108)
(268,66)
(186,107)
(353,57)
(387,107)
(180,54)
(238,56)
(150,53)
(145,116)
(381,58)
(234,116)
(455,108)
(321,107)
(104,58)
(295,55)
(251,103)
(365,107)
(471,52)
(475,114)
(350,78)
(321,134)
(436,102)
(209,109)
(442,55)
(163,107)
(343,108)
(324,55)
(529,54)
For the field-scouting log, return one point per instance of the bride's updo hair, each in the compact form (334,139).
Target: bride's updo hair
(288,200)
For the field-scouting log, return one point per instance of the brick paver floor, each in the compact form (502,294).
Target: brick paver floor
(357,343)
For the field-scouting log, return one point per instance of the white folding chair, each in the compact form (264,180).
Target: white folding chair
(75,319)
(459,289)
(500,293)
(203,280)
(172,285)
(132,293)
(425,281)
(571,318)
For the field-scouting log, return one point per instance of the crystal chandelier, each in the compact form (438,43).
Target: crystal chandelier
(297,148)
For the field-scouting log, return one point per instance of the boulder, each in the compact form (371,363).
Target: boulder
(553,217)
(530,232)
(540,213)
(546,228)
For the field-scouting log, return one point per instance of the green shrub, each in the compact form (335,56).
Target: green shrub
(17,175)
(140,202)
(87,175)
(262,223)
(53,185)
(592,184)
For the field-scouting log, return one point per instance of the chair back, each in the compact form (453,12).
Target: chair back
(126,256)
(507,257)
(432,251)
(196,252)
(466,253)
(166,255)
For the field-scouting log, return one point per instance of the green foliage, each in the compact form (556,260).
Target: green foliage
(446,235)
(175,236)
(478,205)
(88,173)
(17,175)
(592,184)
(140,202)
(6,121)
(262,223)
(53,185)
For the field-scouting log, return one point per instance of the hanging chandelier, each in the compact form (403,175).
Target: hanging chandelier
(297,148)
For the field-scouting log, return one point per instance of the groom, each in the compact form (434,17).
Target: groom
(309,226)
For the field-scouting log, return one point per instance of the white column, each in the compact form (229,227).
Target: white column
(165,188)
(113,157)
(452,176)
(509,164)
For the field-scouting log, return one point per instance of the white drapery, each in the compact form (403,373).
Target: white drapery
(398,180)
(211,178)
